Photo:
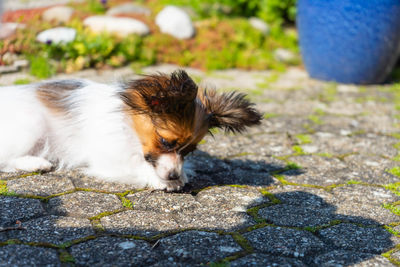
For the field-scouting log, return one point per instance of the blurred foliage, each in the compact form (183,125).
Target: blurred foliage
(221,41)
(272,11)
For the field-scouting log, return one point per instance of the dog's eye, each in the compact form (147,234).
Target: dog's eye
(168,144)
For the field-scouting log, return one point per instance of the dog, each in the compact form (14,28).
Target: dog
(135,132)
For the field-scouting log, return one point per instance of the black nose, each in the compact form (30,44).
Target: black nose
(173,176)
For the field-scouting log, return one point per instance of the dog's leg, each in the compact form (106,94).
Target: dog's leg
(28,164)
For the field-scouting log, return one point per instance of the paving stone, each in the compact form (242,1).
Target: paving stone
(284,241)
(197,247)
(113,251)
(140,223)
(225,146)
(350,258)
(170,262)
(363,144)
(22,209)
(363,204)
(318,170)
(40,185)
(296,216)
(371,169)
(160,201)
(371,123)
(303,196)
(259,259)
(286,124)
(352,237)
(213,220)
(11,175)
(82,181)
(226,198)
(53,229)
(3,237)
(23,255)
(211,171)
(83,204)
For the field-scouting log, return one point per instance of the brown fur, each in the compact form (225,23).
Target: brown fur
(53,94)
(171,108)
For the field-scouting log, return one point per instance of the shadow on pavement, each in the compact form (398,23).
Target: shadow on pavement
(293,228)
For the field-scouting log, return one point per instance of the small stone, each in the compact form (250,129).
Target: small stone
(59,14)
(9,58)
(57,35)
(128,8)
(119,26)
(309,149)
(7,29)
(176,22)
(126,245)
(259,25)
(284,55)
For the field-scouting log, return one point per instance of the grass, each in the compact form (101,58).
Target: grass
(395,171)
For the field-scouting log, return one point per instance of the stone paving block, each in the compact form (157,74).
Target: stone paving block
(140,223)
(350,258)
(23,255)
(226,198)
(363,204)
(83,204)
(170,262)
(284,241)
(160,201)
(256,162)
(370,123)
(113,251)
(285,124)
(197,247)
(352,237)
(53,229)
(22,209)
(12,175)
(82,181)
(363,144)
(259,259)
(224,146)
(303,196)
(213,220)
(40,185)
(296,216)
(371,169)
(317,170)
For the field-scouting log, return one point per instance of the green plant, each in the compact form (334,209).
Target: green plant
(272,11)
(41,67)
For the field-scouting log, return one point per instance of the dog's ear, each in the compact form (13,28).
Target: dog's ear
(229,111)
(160,93)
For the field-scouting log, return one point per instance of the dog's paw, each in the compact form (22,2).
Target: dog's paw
(28,164)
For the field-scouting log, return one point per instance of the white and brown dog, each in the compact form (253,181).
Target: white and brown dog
(134,132)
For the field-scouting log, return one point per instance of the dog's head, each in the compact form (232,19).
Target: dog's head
(171,116)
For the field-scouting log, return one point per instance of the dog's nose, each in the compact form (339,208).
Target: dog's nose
(173,176)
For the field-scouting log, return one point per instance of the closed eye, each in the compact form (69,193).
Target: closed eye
(168,145)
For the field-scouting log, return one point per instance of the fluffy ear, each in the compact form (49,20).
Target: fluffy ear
(229,111)
(160,93)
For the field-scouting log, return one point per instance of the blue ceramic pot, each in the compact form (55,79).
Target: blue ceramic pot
(349,41)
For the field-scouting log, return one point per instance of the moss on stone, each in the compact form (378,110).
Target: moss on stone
(65,257)
(303,139)
(395,171)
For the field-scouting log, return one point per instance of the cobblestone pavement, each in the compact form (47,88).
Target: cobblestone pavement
(317,184)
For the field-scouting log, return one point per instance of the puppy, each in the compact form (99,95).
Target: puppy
(135,132)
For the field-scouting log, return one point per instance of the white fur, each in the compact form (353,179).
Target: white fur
(95,136)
